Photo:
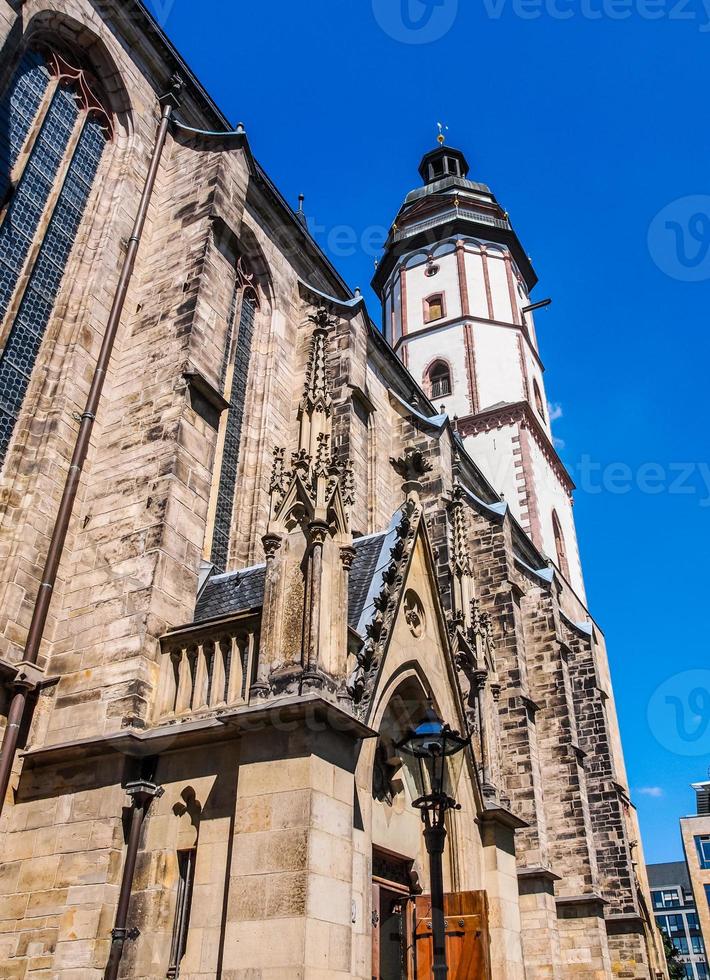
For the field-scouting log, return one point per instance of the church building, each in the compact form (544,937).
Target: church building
(250,538)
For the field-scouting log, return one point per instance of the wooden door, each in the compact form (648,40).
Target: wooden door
(390,933)
(467,938)
(375,931)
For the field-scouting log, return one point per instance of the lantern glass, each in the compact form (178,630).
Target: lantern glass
(433,744)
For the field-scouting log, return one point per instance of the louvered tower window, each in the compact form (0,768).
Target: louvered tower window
(439,380)
(56,130)
(246,300)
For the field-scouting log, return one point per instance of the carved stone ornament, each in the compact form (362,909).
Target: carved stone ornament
(377,631)
(412,466)
(385,785)
(414,614)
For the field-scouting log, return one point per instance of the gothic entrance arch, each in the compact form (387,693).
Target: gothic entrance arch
(401,908)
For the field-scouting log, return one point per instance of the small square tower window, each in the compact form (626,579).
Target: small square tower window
(434,307)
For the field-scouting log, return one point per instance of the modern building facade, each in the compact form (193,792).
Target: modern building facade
(279,552)
(695,833)
(676,914)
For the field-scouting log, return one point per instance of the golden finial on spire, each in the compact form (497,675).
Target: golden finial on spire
(441,139)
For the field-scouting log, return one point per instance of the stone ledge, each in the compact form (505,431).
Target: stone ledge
(311,710)
(537,881)
(623,923)
(497,813)
(580,906)
(539,872)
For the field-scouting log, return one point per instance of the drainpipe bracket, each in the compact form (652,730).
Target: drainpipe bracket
(142,790)
(120,935)
(31,677)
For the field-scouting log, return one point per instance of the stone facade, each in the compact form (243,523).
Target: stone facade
(245,718)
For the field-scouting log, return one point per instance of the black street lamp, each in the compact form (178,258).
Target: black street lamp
(432,743)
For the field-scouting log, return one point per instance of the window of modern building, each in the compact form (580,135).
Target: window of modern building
(681,944)
(181,923)
(434,307)
(697,945)
(57,129)
(669,898)
(701,970)
(702,846)
(439,377)
(675,925)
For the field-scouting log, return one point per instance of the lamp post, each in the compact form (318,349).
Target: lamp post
(432,743)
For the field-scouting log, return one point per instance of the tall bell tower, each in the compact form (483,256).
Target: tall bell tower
(455,287)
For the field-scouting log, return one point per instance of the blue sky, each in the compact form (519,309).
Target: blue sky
(590,121)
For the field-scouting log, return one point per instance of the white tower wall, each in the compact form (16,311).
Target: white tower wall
(497,390)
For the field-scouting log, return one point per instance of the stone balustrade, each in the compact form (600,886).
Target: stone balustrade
(207,668)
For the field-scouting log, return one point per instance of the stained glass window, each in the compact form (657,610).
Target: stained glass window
(67,123)
(18,109)
(232,436)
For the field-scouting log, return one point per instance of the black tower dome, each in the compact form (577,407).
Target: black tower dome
(442,162)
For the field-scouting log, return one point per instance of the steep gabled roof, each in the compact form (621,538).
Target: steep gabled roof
(231,593)
(368,558)
(242,590)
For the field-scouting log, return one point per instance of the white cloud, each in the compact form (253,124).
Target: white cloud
(651,791)
(558,443)
(555,411)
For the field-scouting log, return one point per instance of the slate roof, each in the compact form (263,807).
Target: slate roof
(230,593)
(367,552)
(234,592)
(669,873)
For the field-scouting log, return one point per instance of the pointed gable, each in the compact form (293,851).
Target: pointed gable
(399,613)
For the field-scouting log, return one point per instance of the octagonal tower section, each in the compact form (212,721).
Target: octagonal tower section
(455,286)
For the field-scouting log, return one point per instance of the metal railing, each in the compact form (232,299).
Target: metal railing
(441,219)
(207,668)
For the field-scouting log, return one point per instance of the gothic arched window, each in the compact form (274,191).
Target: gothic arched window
(560,545)
(235,371)
(538,400)
(56,129)
(434,307)
(439,377)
